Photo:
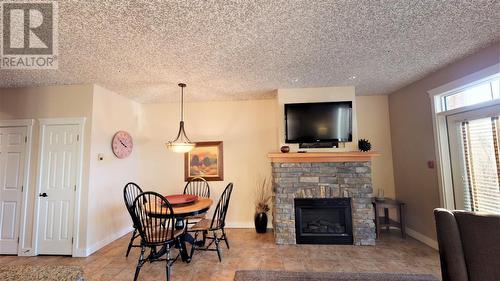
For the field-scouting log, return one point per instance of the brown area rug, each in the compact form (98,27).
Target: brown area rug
(256,275)
(41,273)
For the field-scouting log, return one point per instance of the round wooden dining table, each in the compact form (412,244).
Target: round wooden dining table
(200,206)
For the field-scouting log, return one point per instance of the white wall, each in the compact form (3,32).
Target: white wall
(248,130)
(107,217)
(49,102)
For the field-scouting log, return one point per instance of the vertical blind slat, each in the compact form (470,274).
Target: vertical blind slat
(480,140)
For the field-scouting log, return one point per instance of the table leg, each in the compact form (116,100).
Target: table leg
(184,254)
(386,218)
(377,228)
(180,223)
(402,220)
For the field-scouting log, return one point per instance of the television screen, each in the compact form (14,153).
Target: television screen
(318,122)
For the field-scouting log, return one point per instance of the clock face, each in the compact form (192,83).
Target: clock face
(122,144)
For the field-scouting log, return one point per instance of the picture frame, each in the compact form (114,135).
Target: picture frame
(205,160)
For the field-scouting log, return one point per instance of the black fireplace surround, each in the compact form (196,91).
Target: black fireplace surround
(323,221)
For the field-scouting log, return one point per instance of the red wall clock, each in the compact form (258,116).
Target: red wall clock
(122,144)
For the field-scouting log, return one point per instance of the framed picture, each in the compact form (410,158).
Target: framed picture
(205,161)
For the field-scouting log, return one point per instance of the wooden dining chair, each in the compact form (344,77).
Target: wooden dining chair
(197,186)
(155,221)
(214,226)
(130,193)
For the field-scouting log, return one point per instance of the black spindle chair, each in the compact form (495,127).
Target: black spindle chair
(155,222)
(216,226)
(197,186)
(130,192)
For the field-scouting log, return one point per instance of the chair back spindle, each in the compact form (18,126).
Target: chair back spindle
(130,193)
(219,218)
(197,186)
(154,229)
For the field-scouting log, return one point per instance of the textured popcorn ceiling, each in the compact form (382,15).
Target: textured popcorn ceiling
(229,50)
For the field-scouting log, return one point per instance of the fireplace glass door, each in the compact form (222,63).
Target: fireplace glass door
(323,221)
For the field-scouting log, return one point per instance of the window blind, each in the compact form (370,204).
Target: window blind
(480,139)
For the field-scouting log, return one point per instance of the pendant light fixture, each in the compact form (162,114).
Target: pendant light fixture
(181,144)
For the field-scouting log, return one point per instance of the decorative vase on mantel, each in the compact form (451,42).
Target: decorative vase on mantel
(261,222)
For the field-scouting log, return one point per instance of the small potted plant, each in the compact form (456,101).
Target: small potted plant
(262,205)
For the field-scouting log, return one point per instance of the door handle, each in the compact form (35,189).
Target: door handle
(43,194)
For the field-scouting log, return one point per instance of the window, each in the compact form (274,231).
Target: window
(483,92)
(466,126)
(481,177)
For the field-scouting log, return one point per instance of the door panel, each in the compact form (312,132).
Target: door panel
(57,189)
(474,153)
(9,211)
(12,150)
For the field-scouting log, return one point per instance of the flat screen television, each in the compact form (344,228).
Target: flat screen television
(318,122)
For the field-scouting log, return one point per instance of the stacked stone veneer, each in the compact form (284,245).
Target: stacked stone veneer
(323,180)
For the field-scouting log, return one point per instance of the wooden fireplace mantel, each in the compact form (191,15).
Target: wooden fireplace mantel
(322,157)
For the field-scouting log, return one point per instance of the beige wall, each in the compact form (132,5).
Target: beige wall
(413,139)
(102,219)
(248,130)
(373,124)
(49,102)
(370,121)
(107,217)
(324,94)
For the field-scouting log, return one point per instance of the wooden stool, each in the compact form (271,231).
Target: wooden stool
(381,221)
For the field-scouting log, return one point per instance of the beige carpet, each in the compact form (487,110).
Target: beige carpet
(259,275)
(41,273)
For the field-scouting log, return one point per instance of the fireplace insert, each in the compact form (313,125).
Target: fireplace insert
(323,221)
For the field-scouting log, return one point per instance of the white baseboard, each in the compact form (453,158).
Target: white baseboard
(26,252)
(112,237)
(85,252)
(100,244)
(422,238)
(414,234)
(80,253)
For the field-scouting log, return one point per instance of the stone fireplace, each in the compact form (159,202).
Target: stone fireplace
(323,176)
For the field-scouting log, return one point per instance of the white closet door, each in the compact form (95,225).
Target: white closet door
(12,150)
(59,169)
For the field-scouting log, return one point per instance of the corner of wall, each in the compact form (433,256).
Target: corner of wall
(108,176)
(412,136)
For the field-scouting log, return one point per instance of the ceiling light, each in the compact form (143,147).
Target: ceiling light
(352,77)
(181,144)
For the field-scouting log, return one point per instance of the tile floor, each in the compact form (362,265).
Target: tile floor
(255,251)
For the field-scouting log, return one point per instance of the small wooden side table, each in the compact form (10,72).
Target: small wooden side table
(385,221)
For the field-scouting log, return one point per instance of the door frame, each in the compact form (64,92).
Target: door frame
(439,116)
(22,249)
(80,122)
